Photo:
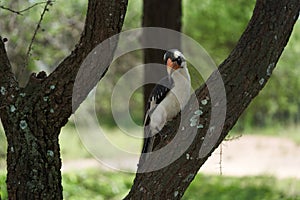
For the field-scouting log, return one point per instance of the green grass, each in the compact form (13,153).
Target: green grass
(100,185)
(244,188)
(96,185)
(3,192)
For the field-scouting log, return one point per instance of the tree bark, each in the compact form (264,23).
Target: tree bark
(244,74)
(33,116)
(166,15)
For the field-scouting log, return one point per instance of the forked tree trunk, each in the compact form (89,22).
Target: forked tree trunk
(33,156)
(244,74)
(33,116)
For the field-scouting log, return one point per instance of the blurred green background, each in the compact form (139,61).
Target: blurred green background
(217,26)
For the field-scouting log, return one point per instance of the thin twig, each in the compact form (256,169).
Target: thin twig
(34,35)
(11,10)
(36,4)
(230,138)
(24,10)
(220,161)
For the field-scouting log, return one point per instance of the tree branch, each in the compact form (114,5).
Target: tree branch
(25,9)
(8,82)
(34,118)
(244,73)
(72,82)
(28,53)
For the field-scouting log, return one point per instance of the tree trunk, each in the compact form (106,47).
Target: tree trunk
(33,155)
(166,15)
(33,116)
(244,74)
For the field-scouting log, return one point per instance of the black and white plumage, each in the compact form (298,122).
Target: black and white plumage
(168,97)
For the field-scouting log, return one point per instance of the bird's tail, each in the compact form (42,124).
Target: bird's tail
(148,144)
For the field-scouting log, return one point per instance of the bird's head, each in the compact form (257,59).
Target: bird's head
(174,60)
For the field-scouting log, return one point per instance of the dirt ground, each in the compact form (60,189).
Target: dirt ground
(257,155)
(248,155)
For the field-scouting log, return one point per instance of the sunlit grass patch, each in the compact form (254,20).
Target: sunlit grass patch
(243,188)
(98,185)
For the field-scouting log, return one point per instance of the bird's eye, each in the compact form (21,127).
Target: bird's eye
(178,60)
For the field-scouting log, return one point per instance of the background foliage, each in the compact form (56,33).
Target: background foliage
(215,24)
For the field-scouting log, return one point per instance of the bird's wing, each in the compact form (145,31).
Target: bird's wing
(158,93)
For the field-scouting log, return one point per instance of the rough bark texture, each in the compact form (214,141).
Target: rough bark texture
(244,73)
(33,116)
(166,15)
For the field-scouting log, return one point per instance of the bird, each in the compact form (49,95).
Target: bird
(168,97)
